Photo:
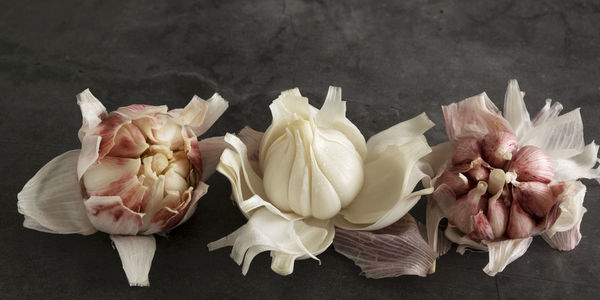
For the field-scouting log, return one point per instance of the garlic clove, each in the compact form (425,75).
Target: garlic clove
(520,223)
(478,173)
(496,181)
(482,230)
(531,163)
(466,151)
(534,197)
(467,206)
(129,142)
(458,182)
(497,214)
(498,147)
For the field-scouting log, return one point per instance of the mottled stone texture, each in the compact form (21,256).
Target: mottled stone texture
(394,59)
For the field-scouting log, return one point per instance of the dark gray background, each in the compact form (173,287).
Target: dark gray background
(394,59)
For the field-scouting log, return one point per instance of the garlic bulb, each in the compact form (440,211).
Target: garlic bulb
(529,168)
(139,172)
(312,170)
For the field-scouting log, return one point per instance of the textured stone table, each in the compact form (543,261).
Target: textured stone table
(394,60)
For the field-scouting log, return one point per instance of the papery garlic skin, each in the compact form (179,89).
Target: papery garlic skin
(312,170)
(524,158)
(139,171)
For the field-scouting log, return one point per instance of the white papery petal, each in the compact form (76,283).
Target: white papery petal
(234,164)
(251,138)
(210,152)
(559,137)
(566,240)
(288,236)
(571,207)
(139,111)
(52,200)
(439,156)
(387,194)
(332,115)
(92,112)
(201,114)
(90,145)
(515,111)
(548,112)
(136,253)
(504,252)
(578,166)
(398,134)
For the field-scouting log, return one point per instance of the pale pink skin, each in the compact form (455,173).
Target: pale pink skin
(525,207)
(125,135)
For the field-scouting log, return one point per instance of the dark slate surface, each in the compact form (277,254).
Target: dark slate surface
(394,59)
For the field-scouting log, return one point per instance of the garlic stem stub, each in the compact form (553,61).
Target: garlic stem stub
(530,168)
(139,171)
(312,171)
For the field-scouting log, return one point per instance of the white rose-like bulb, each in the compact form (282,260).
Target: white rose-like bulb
(311,171)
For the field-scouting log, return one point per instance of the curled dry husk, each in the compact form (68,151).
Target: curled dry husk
(139,171)
(312,171)
(532,187)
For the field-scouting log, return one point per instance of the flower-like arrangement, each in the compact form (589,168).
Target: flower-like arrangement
(503,179)
(139,172)
(312,171)
(311,177)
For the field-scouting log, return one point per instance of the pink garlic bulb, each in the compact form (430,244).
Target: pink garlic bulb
(531,166)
